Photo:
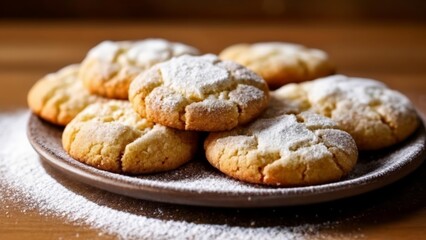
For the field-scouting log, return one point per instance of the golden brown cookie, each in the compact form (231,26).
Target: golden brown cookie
(280,63)
(112,137)
(373,114)
(285,150)
(59,97)
(109,67)
(199,93)
(287,101)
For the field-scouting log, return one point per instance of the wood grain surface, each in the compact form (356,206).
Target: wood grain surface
(391,52)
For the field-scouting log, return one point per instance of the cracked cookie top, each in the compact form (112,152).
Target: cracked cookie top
(111,136)
(59,97)
(199,93)
(110,66)
(373,114)
(285,150)
(280,63)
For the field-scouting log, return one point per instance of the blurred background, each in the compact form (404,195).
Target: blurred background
(382,39)
(327,10)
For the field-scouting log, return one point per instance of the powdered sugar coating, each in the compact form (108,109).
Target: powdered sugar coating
(193,77)
(59,97)
(202,76)
(106,50)
(112,137)
(373,114)
(110,66)
(189,92)
(284,133)
(142,53)
(362,90)
(280,63)
(286,150)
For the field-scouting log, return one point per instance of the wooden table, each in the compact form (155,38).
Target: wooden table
(394,53)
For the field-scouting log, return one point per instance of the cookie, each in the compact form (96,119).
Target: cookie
(109,67)
(112,137)
(287,101)
(199,93)
(59,97)
(373,114)
(285,150)
(280,63)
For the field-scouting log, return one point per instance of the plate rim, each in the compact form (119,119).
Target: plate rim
(284,197)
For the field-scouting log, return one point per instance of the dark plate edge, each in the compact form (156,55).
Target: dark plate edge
(242,200)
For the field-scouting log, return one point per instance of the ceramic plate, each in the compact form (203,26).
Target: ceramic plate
(197,183)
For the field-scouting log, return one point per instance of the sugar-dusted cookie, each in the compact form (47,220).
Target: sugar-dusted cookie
(287,101)
(59,97)
(111,136)
(373,114)
(199,93)
(109,67)
(280,63)
(285,150)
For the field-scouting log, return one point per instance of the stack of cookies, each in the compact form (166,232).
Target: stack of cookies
(139,107)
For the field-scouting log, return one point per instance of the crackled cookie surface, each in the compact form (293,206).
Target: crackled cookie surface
(109,67)
(280,63)
(287,101)
(111,136)
(373,114)
(285,150)
(199,93)
(59,97)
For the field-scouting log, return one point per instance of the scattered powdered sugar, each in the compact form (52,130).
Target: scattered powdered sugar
(197,177)
(27,180)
